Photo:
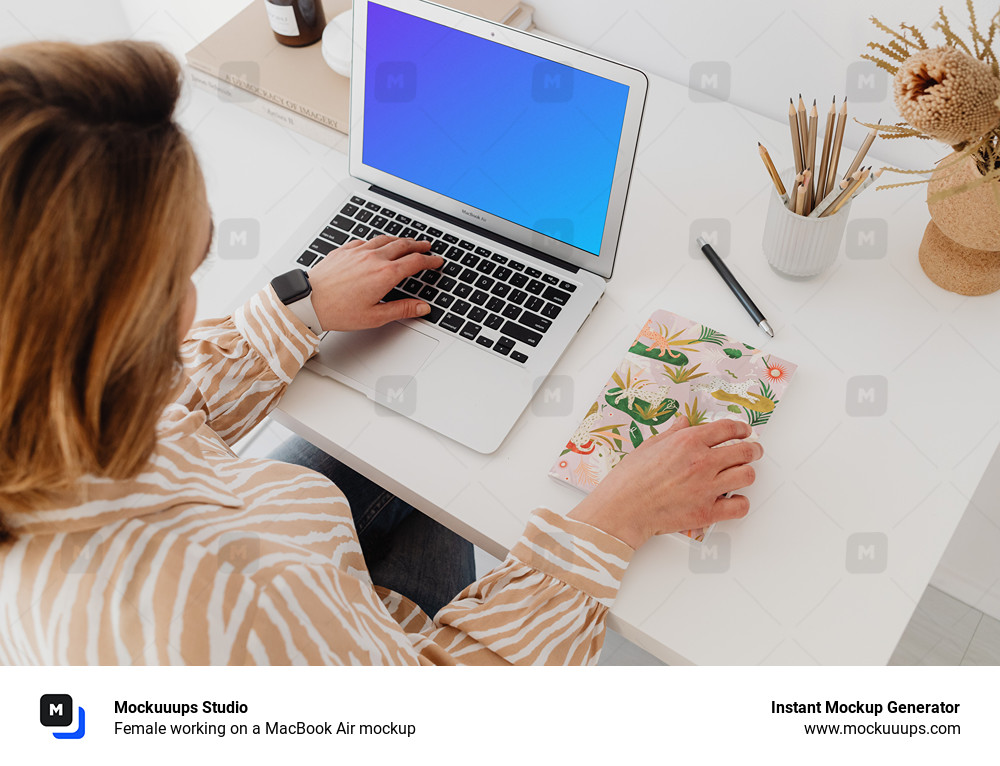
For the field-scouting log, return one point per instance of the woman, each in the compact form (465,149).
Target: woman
(131,531)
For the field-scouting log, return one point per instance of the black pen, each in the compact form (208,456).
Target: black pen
(736,287)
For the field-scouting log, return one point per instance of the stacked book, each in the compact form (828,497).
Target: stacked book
(244,64)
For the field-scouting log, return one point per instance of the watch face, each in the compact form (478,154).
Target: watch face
(291,286)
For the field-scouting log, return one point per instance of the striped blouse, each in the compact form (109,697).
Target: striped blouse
(209,558)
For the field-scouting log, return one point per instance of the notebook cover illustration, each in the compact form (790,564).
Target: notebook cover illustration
(673,366)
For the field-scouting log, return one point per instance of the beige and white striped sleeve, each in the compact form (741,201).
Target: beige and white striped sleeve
(545,604)
(238,367)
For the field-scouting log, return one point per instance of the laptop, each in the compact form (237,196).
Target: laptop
(512,155)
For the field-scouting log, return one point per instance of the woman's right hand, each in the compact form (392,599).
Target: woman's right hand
(674,481)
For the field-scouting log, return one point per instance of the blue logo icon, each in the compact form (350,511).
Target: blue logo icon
(57,710)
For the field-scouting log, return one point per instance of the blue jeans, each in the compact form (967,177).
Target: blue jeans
(405,550)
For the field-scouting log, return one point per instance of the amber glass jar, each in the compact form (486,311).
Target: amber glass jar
(296,22)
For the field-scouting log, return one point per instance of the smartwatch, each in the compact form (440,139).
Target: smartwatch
(293,290)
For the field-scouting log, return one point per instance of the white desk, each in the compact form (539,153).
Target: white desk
(781,589)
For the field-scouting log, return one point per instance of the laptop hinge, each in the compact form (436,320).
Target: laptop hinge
(477,230)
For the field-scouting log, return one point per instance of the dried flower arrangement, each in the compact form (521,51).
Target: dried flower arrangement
(949,93)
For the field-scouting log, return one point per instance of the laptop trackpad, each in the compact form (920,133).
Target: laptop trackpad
(367,355)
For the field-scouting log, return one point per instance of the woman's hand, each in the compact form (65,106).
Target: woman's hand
(673,482)
(349,283)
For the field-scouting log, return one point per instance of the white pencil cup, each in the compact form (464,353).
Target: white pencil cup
(800,246)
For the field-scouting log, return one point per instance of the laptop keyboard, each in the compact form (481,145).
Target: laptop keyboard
(485,297)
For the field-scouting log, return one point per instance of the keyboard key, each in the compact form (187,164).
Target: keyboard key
(307,258)
(521,333)
(361,230)
(403,219)
(535,287)
(503,273)
(434,315)
(434,232)
(357,200)
(535,322)
(342,223)
(429,292)
(517,356)
(534,303)
(373,206)
(470,260)
(486,267)
(393,228)
(423,237)
(511,311)
(479,297)
(349,209)
(517,296)
(429,277)
(477,314)
(413,286)
(379,221)
(484,282)
(388,213)
(454,253)
(466,244)
(500,289)
(408,232)
(495,304)
(446,283)
(364,215)
(395,295)
(372,234)
(567,286)
(503,346)
(552,279)
(551,310)
(532,272)
(556,295)
(461,307)
(439,247)
(334,235)
(323,247)
(444,300)
(451,269)
(516,265)
(482,340)
(483,252)
(518,280)
(471,330)
(452,322)
(451,239)
(499,258)
(463,290)
(418,225)
(494,321)
(468,276)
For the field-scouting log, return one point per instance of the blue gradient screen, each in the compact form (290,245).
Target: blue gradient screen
(524,138)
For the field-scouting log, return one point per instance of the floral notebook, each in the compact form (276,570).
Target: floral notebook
(673,366)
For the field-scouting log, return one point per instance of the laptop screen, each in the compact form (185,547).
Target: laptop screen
(521,137)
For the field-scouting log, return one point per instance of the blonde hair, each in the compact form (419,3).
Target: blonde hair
(99,201)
